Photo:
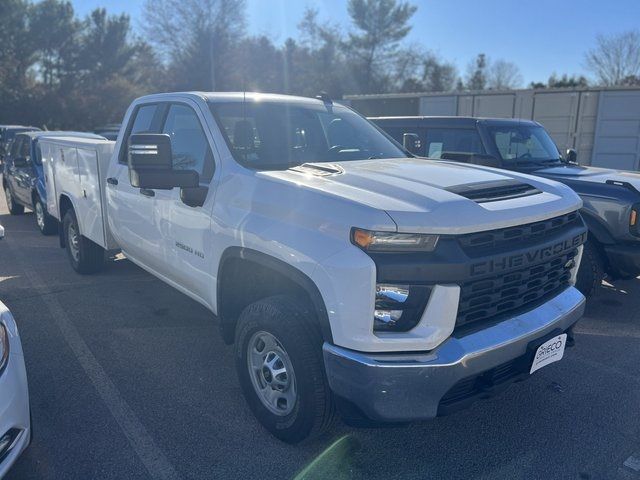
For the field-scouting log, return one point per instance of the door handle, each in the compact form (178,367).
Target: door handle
(147,193)
(112,181)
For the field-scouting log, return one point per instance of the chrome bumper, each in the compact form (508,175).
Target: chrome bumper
(403,387)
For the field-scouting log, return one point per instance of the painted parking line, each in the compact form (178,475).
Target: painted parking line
(142,443)
(633,463)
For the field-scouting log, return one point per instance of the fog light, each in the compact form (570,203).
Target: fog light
(386,319)
(6,442)
(398,308)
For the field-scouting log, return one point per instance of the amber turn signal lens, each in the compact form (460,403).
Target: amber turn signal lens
(634,218)
(362,238)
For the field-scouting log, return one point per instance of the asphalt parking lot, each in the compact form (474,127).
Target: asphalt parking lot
(129,379)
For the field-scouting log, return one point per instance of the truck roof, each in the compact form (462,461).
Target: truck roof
(457,121)
(75,140)
(214,97)
(61,133)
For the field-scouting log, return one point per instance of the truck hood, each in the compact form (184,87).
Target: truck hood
(420,195)
(577,173)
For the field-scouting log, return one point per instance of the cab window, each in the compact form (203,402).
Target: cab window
(463,140)
(189,144)
(143,122)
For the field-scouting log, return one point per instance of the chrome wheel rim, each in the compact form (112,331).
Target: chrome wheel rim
(73,242)
(39,215)
(271,373)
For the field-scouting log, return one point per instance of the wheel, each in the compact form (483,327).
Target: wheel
(591,271)
(85,256)
(14,208)
(279,361)
(45,222)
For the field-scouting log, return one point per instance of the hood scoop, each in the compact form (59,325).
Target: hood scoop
(494,191)
(319,169)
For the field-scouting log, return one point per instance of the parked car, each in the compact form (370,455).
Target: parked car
(346,273)
(611,197)
(23,177)
(7,132)
(15,415)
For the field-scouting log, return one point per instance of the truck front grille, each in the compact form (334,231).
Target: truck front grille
(477,243)
(491,297)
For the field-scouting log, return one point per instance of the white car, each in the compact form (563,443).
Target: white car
(15,422)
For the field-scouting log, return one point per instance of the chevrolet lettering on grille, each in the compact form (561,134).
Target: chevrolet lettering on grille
(524,259)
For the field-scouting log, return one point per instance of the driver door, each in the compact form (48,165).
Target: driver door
(132,211)
(185,231)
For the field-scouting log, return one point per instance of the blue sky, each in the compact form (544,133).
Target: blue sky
(540,36)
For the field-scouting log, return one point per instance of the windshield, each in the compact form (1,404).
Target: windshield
(520,143)
(271,135)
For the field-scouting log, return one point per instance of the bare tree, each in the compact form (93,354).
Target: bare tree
(615,59)
(424,72)
(195,36)
(503,75)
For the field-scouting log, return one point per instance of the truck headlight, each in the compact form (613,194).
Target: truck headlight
(393,242)
(4,347)
(399,307)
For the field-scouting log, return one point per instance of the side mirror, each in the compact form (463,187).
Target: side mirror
(151,164)
(21,162)
(411,142)
(572,156)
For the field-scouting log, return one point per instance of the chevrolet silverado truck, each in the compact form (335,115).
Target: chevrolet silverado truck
(349,276)
(611,197)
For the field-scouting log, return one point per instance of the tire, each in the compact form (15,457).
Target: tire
(45,222)
(14,208)
(296,341)
(85,256)
(591,271)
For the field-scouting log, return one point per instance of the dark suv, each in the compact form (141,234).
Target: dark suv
(7,132)
(611,198)
(23,178)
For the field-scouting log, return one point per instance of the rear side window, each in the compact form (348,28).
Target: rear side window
(142,123)
(189,144)
(144,119)
(462,140)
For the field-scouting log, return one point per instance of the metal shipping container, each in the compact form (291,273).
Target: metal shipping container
(602,124)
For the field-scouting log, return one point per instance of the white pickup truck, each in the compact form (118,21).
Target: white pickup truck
(346,273)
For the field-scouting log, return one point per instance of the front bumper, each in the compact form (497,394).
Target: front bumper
(14,397)
(404,387)
(624,258)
